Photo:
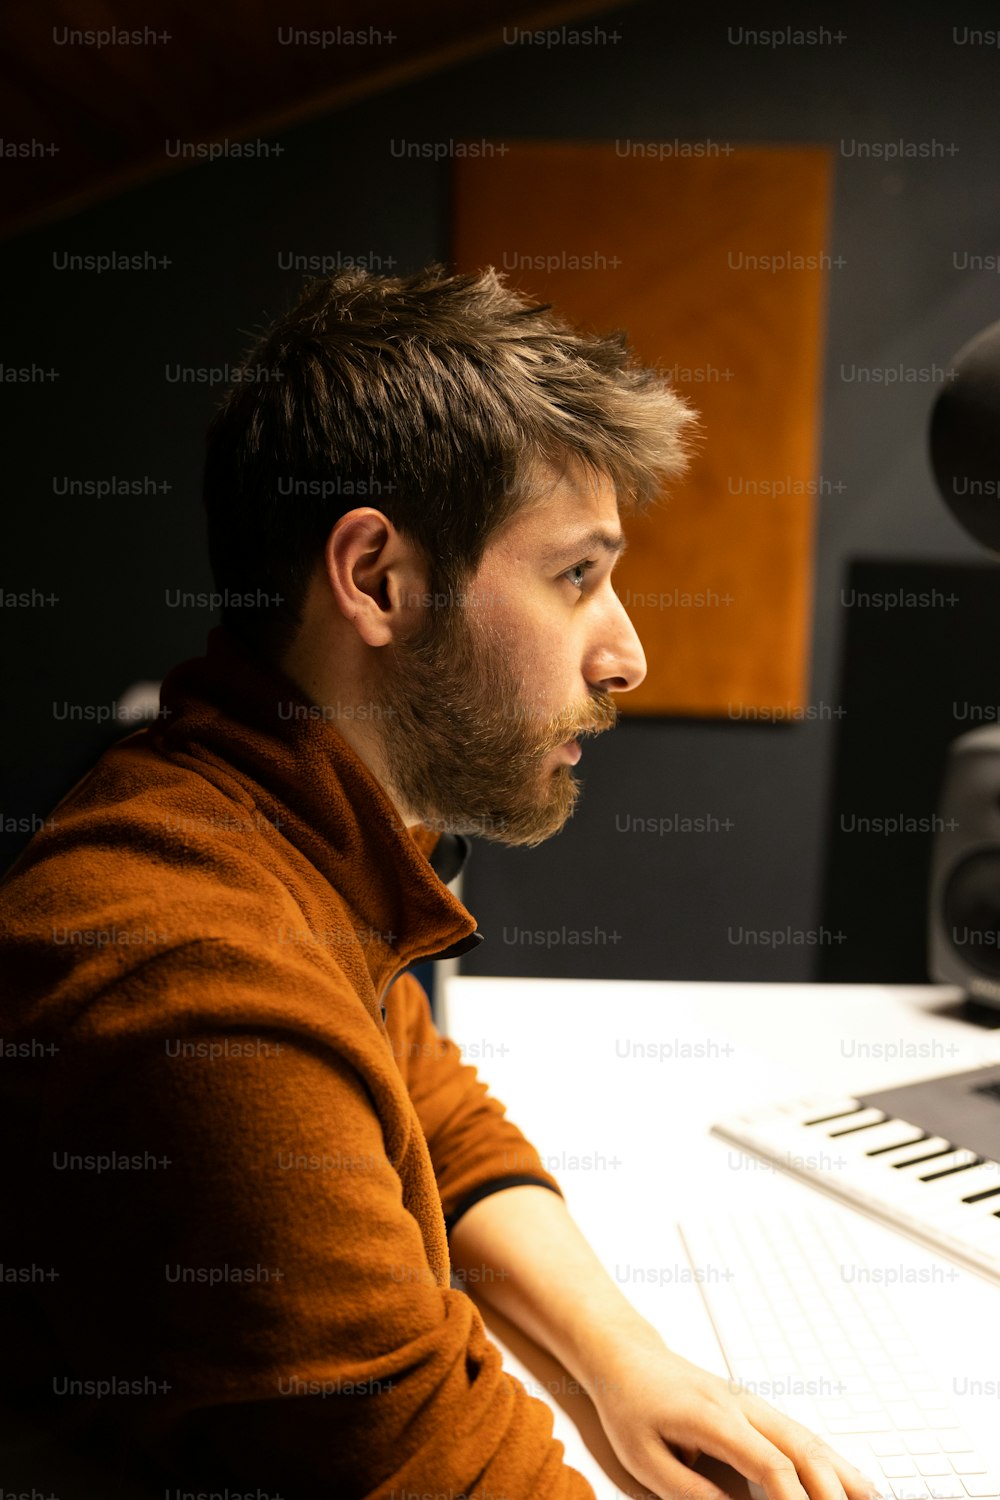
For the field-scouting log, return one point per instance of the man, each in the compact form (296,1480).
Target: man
(250,1162)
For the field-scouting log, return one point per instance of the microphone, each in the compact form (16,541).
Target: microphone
(965,438)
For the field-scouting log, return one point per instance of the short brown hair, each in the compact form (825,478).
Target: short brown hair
(431,397)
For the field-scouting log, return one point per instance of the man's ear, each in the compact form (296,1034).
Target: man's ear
(377,576)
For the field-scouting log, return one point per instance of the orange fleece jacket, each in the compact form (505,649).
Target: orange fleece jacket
(225,1258)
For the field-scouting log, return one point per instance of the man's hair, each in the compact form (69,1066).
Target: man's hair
(431,397)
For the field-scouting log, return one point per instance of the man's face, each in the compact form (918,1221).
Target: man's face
(482,701)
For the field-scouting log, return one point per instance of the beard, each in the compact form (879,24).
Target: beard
(462,747)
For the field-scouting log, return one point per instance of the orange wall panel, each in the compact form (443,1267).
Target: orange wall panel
(716,265)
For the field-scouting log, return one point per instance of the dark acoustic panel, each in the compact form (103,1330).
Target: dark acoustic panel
(919,667)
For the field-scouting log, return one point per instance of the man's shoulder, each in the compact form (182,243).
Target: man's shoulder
(139,814)
(149,870)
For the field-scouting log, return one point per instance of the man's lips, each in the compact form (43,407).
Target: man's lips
(572,748)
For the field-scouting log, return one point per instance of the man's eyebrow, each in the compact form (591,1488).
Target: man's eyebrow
(591,541)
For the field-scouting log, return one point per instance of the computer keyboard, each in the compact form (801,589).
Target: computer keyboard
(804,1323)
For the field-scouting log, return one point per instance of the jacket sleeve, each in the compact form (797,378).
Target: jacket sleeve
(259,1271)
(474,1148)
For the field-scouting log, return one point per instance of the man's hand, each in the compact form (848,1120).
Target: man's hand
(659,1410)
(661,1413)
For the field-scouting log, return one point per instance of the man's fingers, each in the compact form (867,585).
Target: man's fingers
(673,1480)
(818,1474)
(829,1473)
(756,1457)
(688,1453)
(843,1476)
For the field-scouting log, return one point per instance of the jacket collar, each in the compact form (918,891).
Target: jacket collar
(252,730)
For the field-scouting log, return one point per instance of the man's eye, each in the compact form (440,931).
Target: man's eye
(581,567)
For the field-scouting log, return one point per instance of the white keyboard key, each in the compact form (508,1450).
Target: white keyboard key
(951,1188)
(981,1487)
(893,1133)
(982,1179)
(969,1463)
(909,1489)
(858,1453)
(893,1390)
(858,1385)
(919,1148)
(835,1406)
(946,1489)
(837,1129)
(860,1422)
(906,1415)
(961,1157)
(819,1110)
(987,1207)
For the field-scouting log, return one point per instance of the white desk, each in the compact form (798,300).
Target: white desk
(571,1060)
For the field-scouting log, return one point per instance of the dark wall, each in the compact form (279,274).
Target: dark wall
(712,904)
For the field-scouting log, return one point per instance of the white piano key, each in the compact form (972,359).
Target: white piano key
(910,1153)
(891,1133)
(961,1157)
(993,1166)
(974,1179)
(850,1123)
(979,1237)
(985,1214)
(823,1109)
(930,1205)
(984,1232)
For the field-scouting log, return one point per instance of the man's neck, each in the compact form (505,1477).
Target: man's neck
(349,710)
